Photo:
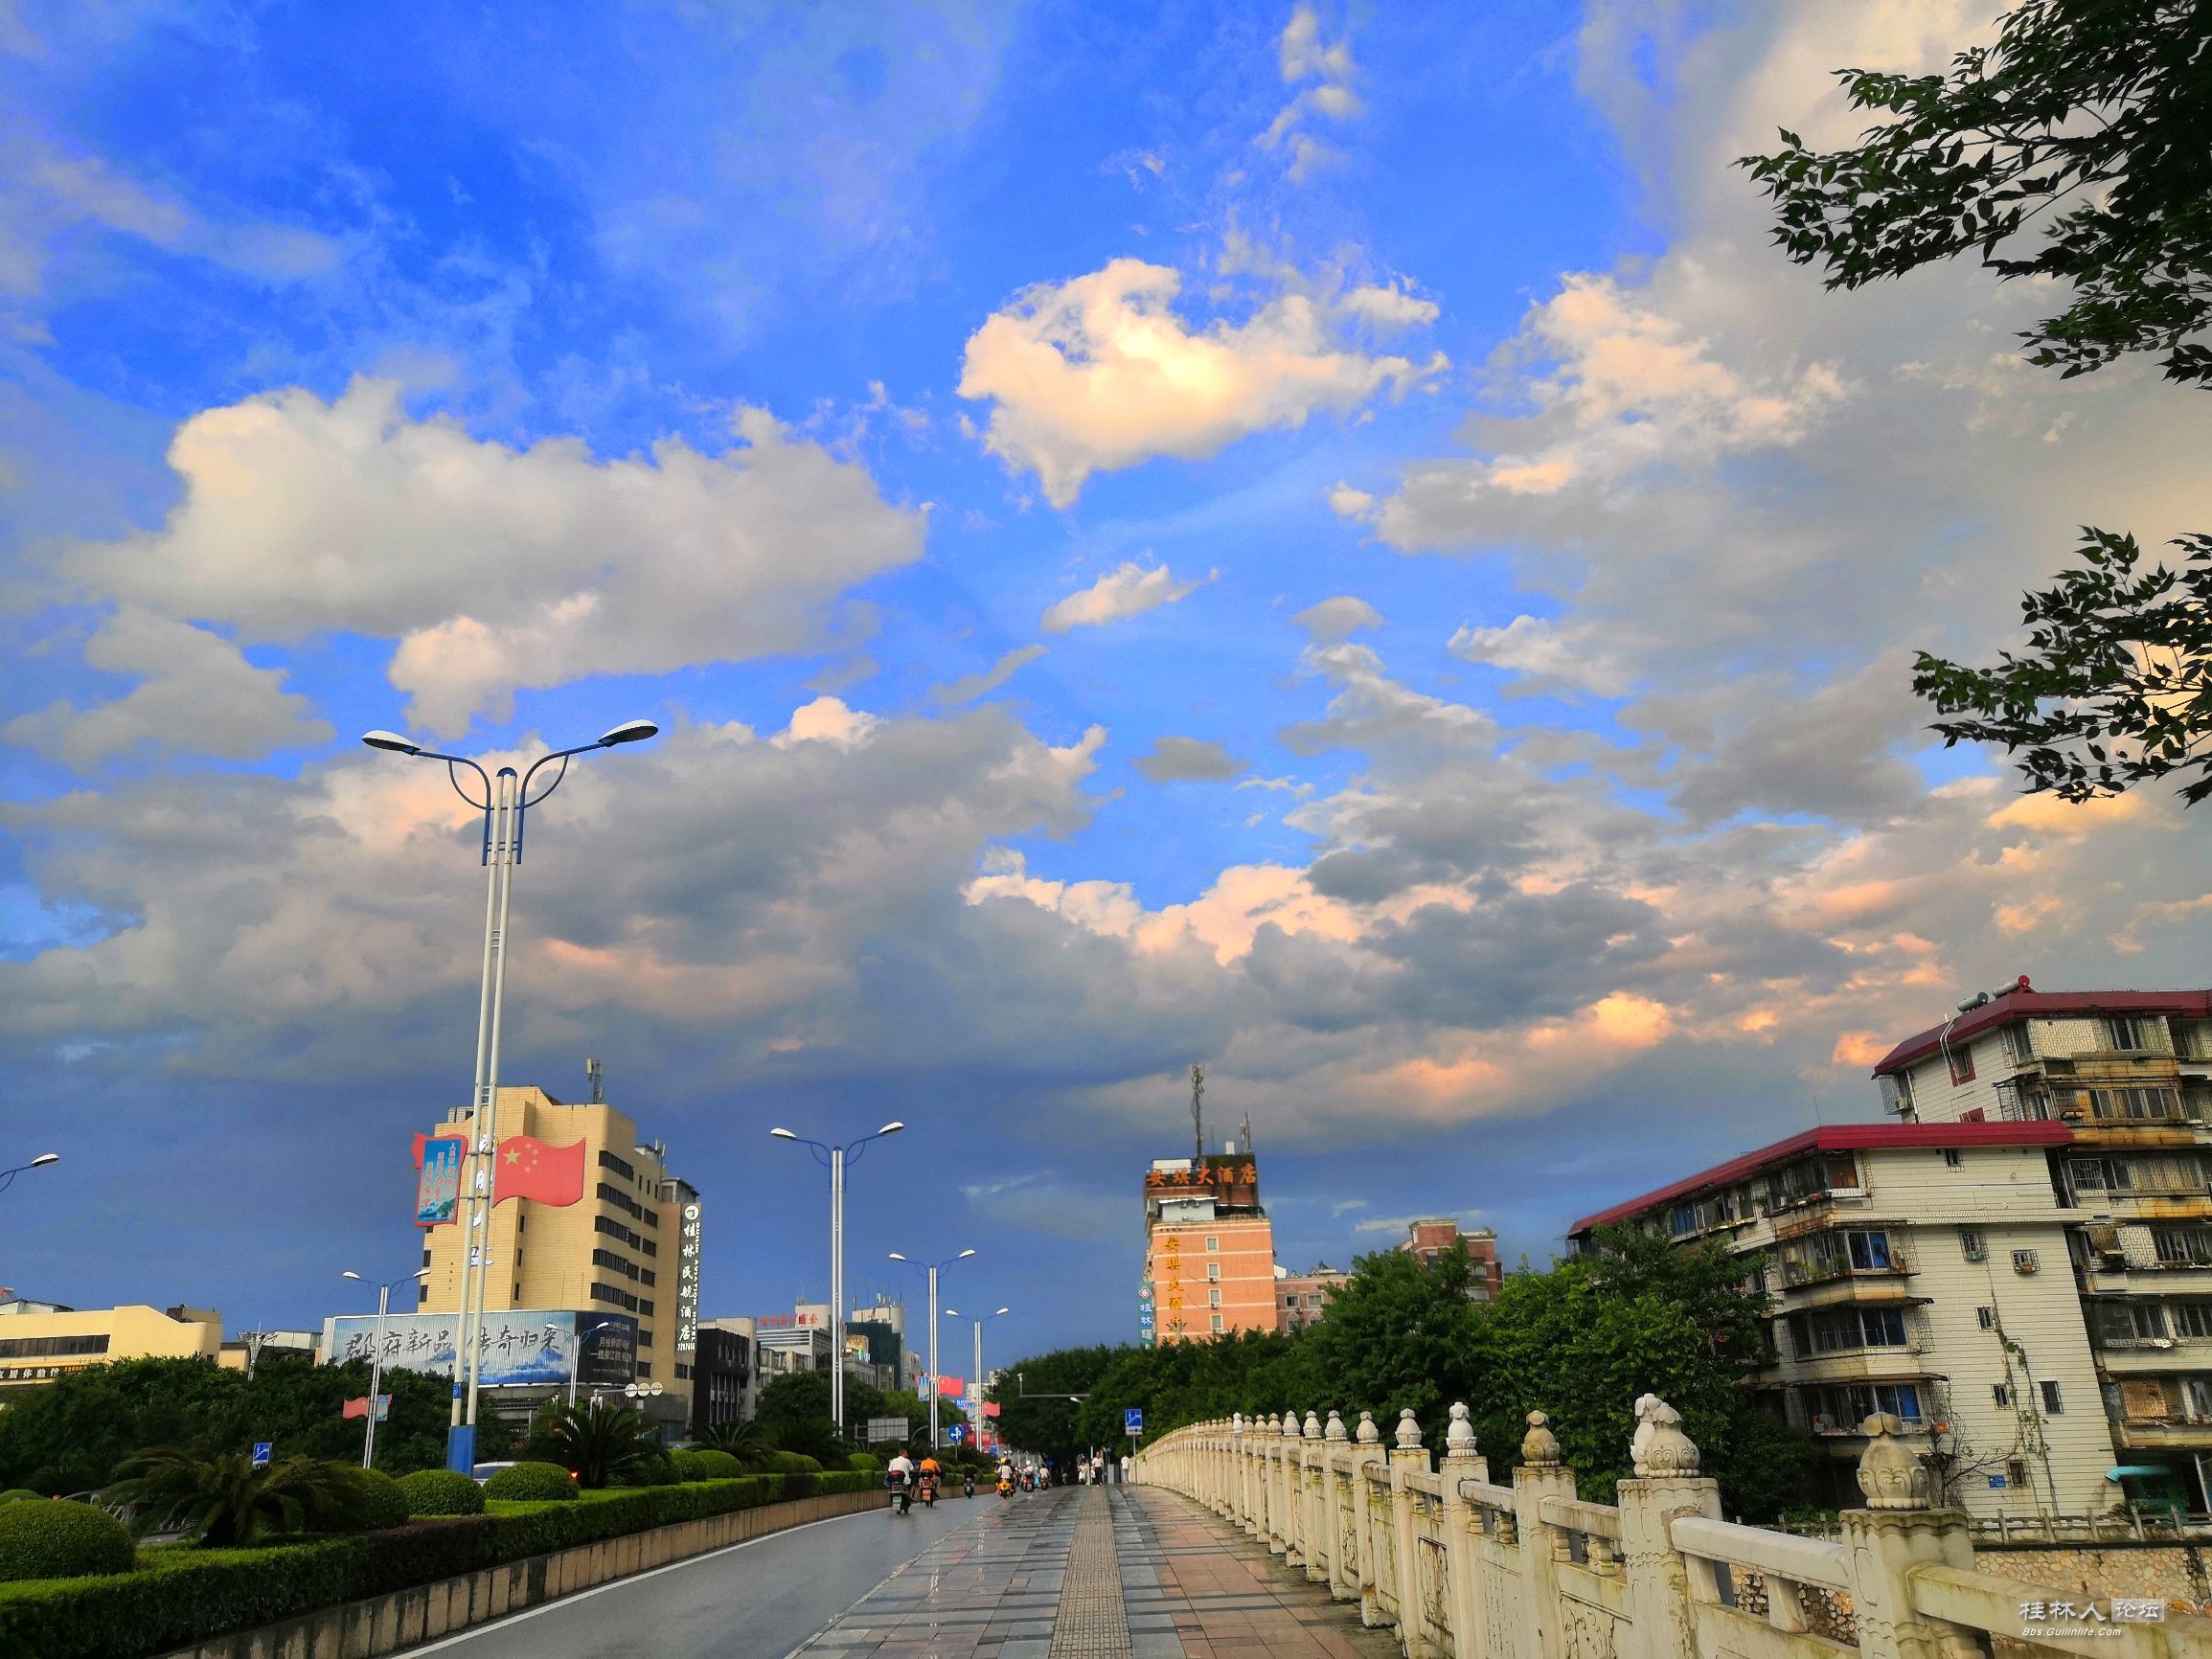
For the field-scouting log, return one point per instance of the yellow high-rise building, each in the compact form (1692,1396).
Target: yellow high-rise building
(625,1249)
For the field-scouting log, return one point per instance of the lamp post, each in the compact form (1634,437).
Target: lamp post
(836,1160)
(505,805)
(975,1382)
(933,1269)
(575,1354)
(40,1162)
(376,1353)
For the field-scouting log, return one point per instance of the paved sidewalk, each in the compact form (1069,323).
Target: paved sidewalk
(1090,1573)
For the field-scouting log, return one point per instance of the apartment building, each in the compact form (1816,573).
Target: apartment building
(2129,1072)
(1430,1238)
(622,1253)
(1209,1250)
(1920,1269)
(1302,1299)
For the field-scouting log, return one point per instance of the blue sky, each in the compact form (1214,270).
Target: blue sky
(1319,541)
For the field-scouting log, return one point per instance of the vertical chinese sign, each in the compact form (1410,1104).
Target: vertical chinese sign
(688,1282)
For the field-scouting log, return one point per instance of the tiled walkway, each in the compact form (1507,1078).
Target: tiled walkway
(1033,1579)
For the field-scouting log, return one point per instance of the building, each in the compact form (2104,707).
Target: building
(249,1349)
(623,1251)
(1209,1250)
(722,1379)
(1920,1269)
(1302,1299)
(1430,1239)
(2129,1072)
(40,1341)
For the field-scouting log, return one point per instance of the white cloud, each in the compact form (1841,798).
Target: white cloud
(1099,373)
(1546,654)
(495,568)
(1389,307)
(969,687)
(1339,618)
(1304,56)
(1128,590)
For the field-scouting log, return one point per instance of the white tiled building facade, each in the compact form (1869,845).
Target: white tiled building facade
(2019,1266)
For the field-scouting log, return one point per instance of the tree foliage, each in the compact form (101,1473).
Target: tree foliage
(1580,1342)
(2083,129)
(224,1500)
(602,1442)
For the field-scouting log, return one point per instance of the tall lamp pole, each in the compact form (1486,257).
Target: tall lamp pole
(836,1160)
(376,1353)
(933,1269)
(975,1382)
(576,1353)
(40,1162)
(505,805)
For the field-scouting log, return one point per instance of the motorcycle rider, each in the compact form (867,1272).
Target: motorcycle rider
(928,1476)
(900,1477)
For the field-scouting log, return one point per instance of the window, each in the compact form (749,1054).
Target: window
(1214,1272)
(2052,1403)
(1970,1245)
(1961,1064)
(2025,1261)
(1987,1316)
(2195,1397)
(1212,1299)
(1953,1157)
(1216,1323)
(2017,1474)
(2123,1030)
(521,1216)
(644,1368)
(2183,1246)
(2192,1319)
(50,1347)
(1213,1245)
(2125,1324)
(1869,1252)
(608,1161)
(1839,1329)
(2000,1395)
(2020,1044)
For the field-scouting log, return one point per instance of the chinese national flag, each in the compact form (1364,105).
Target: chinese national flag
(527,1168)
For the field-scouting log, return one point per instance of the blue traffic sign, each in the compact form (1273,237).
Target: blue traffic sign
(957,1433)
(1132,1421)
(261,1450)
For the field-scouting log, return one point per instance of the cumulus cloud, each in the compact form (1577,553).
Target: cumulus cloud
(1339,618)
(493,568)
(1128,590)
(1099,373)
(1188,760)
(1547,654)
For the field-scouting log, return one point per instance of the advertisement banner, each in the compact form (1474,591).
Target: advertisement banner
(521,1346)
(438,1188)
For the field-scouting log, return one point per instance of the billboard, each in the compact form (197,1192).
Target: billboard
(522,1347)
(438,1188)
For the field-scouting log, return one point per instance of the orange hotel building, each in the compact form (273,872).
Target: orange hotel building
(1209,1249)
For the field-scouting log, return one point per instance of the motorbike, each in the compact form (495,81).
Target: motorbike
(929,1492)
(1006,1485)
(967,1485)
(901,1495)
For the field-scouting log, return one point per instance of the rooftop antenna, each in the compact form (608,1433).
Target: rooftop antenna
(1198,1120)
(1244,1137)
(597,1074)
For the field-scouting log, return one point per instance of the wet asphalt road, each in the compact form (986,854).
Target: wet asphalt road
(756,1600)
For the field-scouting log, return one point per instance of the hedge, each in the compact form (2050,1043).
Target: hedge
(530,1481)
(441,1492)
(180,1595)
(52,1538)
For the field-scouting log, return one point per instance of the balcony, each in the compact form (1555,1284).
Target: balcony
(1798,1272)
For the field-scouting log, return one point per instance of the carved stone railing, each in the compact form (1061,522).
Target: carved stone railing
(1464,1568)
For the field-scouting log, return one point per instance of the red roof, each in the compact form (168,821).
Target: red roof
(2018,1004)
(1839,1138)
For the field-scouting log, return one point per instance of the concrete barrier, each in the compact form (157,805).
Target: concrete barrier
(406,1618)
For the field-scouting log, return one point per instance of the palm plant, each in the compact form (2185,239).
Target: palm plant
(224,1500)
(600,1439)
(747,1441)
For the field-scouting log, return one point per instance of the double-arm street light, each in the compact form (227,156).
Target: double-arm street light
(376,1353)
(8,1176)
(836,1160)
(975,1383)
(933,1269)
(505,803)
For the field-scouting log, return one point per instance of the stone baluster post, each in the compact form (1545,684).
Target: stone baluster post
(1406,1456)
(1272,1473)
(1313,1530)
(1287,1487)
(1666,1485)
(1233,1471)
(1337,1510)
(1897,1532)
(1542,1474)
(1366,1453)
(1463,1462)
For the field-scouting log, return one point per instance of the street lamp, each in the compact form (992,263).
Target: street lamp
(576,1356)
(8,1176)
(505,805)
(376,1353)
(932,1268)
(976,1385)
(834,1159)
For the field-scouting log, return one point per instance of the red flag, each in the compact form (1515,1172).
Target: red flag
(360,1407)
(990,1408)
(529,1168)
(951,1385)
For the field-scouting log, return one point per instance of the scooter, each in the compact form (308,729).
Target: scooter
(930,1490)
(901,1493)
(967,1483)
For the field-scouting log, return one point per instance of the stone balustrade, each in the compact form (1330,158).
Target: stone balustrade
(1463,1567)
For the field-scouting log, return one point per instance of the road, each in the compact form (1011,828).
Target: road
(758,1600)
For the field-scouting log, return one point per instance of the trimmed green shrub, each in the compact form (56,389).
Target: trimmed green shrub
(383,1504)
(791,1463)
(530,1483)
(14,1492)
(442,1492)
(53,1538)
(867,1463)
(707,1466)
